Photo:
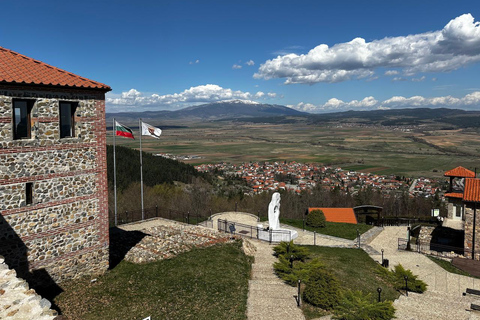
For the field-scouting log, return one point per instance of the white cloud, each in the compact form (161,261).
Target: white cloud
(468,102)
(194,62)
(391,72)
(422,78)
(134,99)
(456,45)
(236,66)
(250,63)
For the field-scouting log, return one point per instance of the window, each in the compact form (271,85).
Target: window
(29,193)
(67,119)
(21,119)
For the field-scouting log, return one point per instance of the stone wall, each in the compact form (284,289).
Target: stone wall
(425,234)
(468,245)
(18,301)
(64,231)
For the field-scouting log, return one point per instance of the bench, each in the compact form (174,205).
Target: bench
(475,307)
(472,291)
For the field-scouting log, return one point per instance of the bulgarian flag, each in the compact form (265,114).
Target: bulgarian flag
(121,130)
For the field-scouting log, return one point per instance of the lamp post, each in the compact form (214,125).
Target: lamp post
(358,236)
(298,294)
(379,290)
(406,285)
(382,257)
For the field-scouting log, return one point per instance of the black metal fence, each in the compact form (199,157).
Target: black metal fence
(395,221)
(158,212)
(435,249)
(255,232)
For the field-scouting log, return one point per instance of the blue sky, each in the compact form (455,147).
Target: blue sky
(316,56)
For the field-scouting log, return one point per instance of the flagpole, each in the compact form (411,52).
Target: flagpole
(114,172)
(141,166)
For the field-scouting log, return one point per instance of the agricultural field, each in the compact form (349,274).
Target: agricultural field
(372,149)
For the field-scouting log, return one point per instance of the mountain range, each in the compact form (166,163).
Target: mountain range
(250,111)
(234,109)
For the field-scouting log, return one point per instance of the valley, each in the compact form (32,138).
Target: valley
(412,152)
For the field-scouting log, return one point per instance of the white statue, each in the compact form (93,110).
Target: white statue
(274,212)
(275,233)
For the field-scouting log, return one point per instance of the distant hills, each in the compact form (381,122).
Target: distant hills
(235,109)
(249,111)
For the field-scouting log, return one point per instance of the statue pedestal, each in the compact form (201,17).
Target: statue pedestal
(277,235)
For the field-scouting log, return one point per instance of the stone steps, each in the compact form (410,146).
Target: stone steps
(268,297)
(17,301)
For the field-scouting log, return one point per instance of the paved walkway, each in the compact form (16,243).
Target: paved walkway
(443,298)
(268,296)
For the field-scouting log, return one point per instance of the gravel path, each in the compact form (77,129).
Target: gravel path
(443,298)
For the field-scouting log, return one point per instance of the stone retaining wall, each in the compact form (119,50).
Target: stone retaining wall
(19,302)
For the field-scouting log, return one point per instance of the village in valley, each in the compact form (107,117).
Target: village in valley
(298,177)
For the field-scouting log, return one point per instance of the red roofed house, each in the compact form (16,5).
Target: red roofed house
(463,196)
(53,180)
(344,215)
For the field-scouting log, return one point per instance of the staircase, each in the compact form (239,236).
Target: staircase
(268,296)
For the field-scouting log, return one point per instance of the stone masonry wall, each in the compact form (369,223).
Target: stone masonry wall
(468,244)
(44,191)
(64,231)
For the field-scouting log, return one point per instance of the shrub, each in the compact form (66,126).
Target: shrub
(414,284)
(354,305)
(299,271)
(316,219)
(290,250)
(321,288)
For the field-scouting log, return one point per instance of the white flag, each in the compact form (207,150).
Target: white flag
(148,130)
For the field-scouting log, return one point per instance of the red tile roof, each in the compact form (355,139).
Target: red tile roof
(19,69)
(472,190)
(454,195)
(345,215)
(460,172)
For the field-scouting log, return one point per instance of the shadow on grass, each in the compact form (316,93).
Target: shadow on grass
(121,242)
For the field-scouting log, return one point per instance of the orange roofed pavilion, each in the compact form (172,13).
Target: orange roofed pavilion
(344,215)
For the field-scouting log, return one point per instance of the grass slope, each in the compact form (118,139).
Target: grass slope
(448,266)
(355,270)
(210,283)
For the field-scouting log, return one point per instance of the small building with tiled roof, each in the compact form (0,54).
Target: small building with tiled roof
(53,180)
(343,215)
(463,197)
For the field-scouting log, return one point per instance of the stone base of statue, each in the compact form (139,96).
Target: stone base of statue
(277,235)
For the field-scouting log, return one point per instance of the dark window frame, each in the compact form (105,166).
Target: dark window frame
(29,193)
(71,119)
(29,105)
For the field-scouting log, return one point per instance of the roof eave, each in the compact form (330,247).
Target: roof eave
(105,88)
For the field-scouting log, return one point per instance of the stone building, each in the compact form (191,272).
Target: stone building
(463,197)
(53,177)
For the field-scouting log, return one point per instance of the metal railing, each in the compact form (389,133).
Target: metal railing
(433,249)
(158,212)
(253,232)
(395,221)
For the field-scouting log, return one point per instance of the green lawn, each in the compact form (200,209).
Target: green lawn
(336,229)
(446,265)
(210,283)
(355,270)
